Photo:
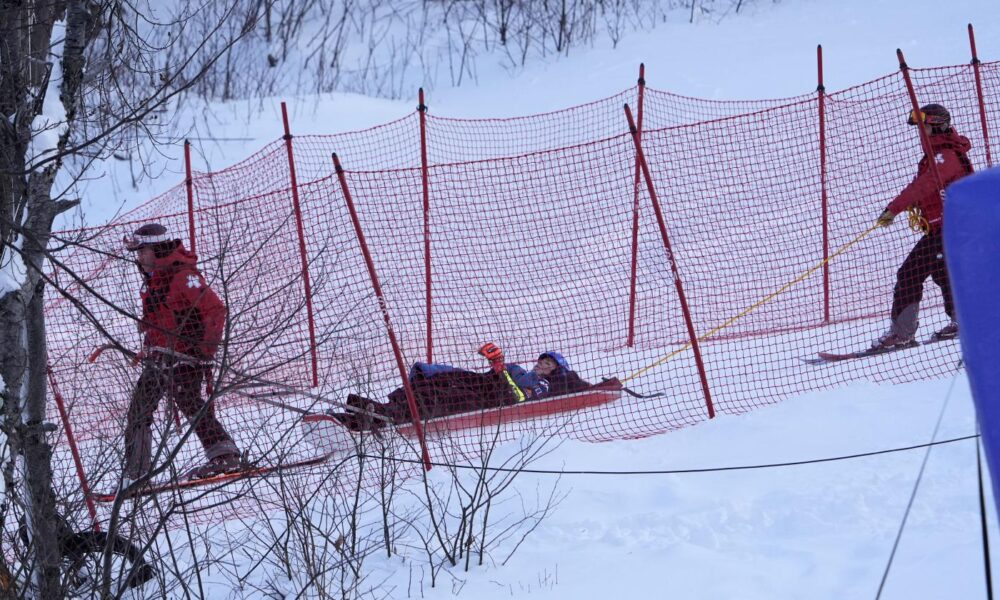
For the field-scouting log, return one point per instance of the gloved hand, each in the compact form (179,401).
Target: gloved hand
(494,354)
(885,219)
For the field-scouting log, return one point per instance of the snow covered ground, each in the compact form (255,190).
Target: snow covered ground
(821,530)
(812,531)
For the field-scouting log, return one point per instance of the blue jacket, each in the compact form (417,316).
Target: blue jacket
(529,381)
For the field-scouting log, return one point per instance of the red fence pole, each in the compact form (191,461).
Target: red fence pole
(71,440)
(632,298)
(821,95)
(422,109)
(302,246)
(189,184)
(924,138)
(673,262)
(979,94)
(410,399)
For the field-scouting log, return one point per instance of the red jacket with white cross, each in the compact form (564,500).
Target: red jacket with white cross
(949,151)
(180,311)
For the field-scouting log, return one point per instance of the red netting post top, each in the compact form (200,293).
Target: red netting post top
(422,109)
(979,96)
(188,184)
(821,97)
(302,246)
(71,440)
(632,296)
(408,390)
(673,263)
(924,139)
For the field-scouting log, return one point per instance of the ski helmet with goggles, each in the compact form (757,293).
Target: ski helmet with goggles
(149,234)
(934,115)
(561,363)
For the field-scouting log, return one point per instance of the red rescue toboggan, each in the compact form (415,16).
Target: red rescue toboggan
(596,395)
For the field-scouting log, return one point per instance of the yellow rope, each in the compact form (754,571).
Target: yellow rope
(747,311)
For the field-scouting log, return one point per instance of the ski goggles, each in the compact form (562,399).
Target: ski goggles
(919,116)
(134,242)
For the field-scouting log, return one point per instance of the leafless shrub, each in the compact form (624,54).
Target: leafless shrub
(473,508)
(389,48)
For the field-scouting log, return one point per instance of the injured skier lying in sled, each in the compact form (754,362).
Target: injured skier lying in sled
(441,390)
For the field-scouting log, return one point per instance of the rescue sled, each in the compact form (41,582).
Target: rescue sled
(596,395)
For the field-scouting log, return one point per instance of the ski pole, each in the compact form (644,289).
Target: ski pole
(255,381)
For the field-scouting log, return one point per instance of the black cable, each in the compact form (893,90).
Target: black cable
(984,525)
(678,471)
(913,492)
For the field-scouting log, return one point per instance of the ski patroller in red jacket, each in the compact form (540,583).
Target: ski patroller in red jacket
(949,153)
(179,311)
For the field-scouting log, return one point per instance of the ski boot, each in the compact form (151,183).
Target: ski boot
(220,465)
(891,341)
(948,332)
(359,402)
(364,414)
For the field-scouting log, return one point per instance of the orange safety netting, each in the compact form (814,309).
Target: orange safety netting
(533,226)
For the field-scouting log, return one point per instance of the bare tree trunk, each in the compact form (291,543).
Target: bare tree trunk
(27,30)
(24,372)
(28,213)
(40,505)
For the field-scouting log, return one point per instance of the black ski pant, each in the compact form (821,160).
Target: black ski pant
(448,393)
(926,259)
(181,382)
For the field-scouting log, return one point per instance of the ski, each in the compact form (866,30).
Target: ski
(830,357)
(250,472)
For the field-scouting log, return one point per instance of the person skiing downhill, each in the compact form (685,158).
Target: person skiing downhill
(182,326)
(442,390)
(923,198)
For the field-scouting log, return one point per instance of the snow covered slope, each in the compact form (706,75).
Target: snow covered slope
(811,531)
